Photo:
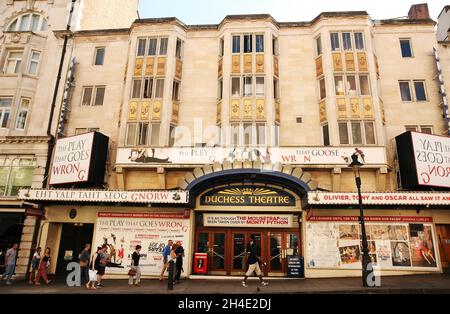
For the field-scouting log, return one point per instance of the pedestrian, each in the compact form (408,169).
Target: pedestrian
(172,260)
(253,262)
(44,264)
(135,270)
(100,262)
(179,252)
(34,265)
(10,263)
(165,254)
(92,272)
(85,257)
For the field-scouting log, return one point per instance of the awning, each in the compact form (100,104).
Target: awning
(105,196)
(380,198)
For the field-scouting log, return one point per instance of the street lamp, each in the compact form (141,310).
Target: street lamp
(366,273)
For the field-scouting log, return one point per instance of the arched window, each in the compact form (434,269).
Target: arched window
(28,22)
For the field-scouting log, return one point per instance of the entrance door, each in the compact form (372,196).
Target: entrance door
(218,253)
(443,235)
(281,245)
(73,239)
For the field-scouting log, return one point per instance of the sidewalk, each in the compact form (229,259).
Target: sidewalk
(397,284)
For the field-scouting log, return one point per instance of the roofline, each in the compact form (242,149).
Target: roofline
(446,8)
(405,21)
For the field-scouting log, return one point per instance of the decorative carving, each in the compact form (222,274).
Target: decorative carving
(132,110)
(277,111)
(248,109)
(349,61)
(150,66)
(156,115)
(260,63)
(319,66)
(362,61)
(178,69)
(161,66)
(323,111)
(368,107)
(138,66)
(276,67)
(354,107)
(248,63)
(219,113)
(175,111)
(145,108)
(342,107)
(260,109)
(337,62)
(236,64)
(235,109)
(220,68)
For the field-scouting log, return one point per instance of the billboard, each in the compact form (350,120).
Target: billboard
(424,160)
(79,159)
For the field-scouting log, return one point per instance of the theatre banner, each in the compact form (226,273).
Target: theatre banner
(395,243)
(121,232)
(285,155)
(248,220)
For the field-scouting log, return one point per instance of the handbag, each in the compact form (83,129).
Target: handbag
(92,275)
(132,272)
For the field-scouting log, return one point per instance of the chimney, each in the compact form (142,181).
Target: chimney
(419,11)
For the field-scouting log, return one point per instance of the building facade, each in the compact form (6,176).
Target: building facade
(248,127)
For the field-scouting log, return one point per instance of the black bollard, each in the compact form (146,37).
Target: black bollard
(170,279)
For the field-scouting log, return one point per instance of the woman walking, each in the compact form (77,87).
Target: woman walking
(34,265)
(100,261)
(43,265)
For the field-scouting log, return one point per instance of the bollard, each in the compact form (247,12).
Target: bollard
(170,279)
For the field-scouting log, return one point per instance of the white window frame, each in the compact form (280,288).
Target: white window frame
(413,83)
(31,60)
(3,111)
(317,42)
(363,132)
(15,60)
(410,47)
(21,109)
(18,21)
(411,91)
(93,95)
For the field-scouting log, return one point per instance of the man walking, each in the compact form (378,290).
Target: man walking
(165,254)
(10,263)
(253,262)
(179,251)
(136,269)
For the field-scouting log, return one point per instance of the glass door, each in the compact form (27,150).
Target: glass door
(218,251)
(276,255)
(238,261)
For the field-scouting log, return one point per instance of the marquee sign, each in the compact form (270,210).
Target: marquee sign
(285,155)
(424,160)
(248,220)
(247,196)
(66,195)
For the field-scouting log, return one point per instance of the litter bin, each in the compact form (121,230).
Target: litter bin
(200,263)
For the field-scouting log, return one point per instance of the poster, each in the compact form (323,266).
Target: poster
(337,244)
(123,231)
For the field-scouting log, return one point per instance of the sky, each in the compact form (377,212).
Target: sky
(213,11)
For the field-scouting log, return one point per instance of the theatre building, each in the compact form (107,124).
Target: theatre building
(209,134)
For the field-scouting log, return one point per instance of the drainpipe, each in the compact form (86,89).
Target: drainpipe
(51,140)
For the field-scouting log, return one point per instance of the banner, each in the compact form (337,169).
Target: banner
(123,231)
(248,220)
(402,246)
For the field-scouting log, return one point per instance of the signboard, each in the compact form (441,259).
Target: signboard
(247,196)
(295,266)
(394,244)
(123,231)
(80,159)
(374,198)
(65,195)
(285,155)
(248,221)
(37,212)
(424,160)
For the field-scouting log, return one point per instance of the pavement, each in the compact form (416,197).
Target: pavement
(419,284)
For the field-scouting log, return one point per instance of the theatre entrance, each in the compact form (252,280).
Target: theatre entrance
(226,249)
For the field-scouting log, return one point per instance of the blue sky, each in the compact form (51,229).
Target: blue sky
(213,11)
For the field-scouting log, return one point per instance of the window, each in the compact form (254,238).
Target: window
(22,114)
(236,44)
(248,43)
(34,62)
(5,110)
(359,41)
(370,133)
(13,62)
(319,46)
(154,139)
(79,131)
(412,128)
(131,134)
(364,85)
(334,37)
(163,46)
(261,134)
(322,89)
(275,46)
(148,88)
(176,91)
(28,22)
(405,46)
(351,85)
(248,133)
(339,82)
(172,131)
(326,135)
(236,87)
(405,91)
(234,134)
(343,133)
(142,133)
(347,41)
(99,56)
(248,90)
(356,133)
(276,89)
(15,173)
(159,91)
(137,86)
(221,47)
(419,89)
(179,49)
(220,90)
(142,42)
(277,135)
(426,129)
(419,128)
(259,86)
(153,42)
(259,43)
(89,99)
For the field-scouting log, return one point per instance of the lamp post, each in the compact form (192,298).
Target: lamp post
(366,273)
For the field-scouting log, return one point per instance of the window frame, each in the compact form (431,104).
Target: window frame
(362,41)
(362,129)
(252,43)
(263,43)
(410,47)
(96,54)
(16,60)
(424,90)
(318,45)
(20,110)
(238,78)
(4,110)
(238,42)
(332,42)
(97,87)
(179,50)
(17,22)
(410,91)
(93,95)
(38,62)
(344,41)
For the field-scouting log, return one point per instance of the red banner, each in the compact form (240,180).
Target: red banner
(143,215)
(371,218)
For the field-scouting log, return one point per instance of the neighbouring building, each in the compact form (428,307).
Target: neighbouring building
(248,127)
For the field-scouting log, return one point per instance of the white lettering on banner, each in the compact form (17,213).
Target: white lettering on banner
(72,159)
(432,158)
(285,155)
(105,196)
(243,220)
(373,198)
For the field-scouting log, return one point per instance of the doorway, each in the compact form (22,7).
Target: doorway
(73,239)
(443,235)
(227,250)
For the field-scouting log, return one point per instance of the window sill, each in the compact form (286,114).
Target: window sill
(35,77)
(9,74)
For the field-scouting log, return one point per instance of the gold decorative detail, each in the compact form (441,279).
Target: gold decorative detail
(319,66)
(362,61)
(323,111)
(161,66)
(178,69)
(150,66)
(260,63)
(138,66)
(337,62)
(248,109)
(349,61)
(145,109)
(247,191)
(156,115)
(236,64)
(276,67)
(277,111)
(260,109)
(219,113)
(367,107)
(220,68)
(175,111)
(235,109)
(132,110)
(354,107)
(248,63)
(342,107)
